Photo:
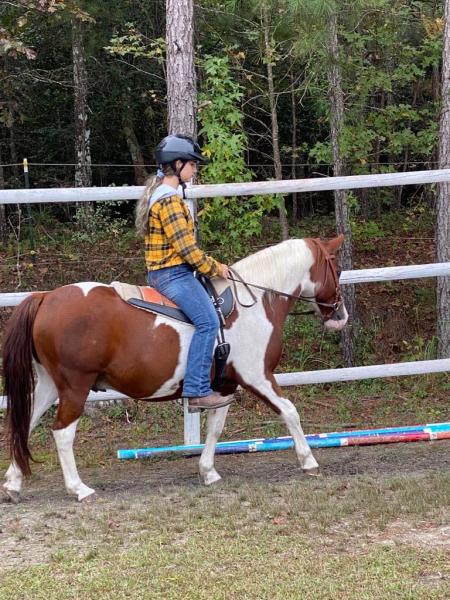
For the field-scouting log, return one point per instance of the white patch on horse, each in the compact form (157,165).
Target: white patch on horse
(87,286)
(64,444)
(185,333)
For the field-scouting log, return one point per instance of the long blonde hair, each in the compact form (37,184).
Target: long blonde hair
(142,205)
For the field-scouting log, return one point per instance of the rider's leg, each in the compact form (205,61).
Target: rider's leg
(180,286)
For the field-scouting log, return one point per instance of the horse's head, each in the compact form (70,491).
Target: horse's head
(324,275)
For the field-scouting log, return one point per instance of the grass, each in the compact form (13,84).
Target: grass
(304,539)
(233,568)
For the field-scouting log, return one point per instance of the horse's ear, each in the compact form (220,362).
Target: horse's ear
(334,244)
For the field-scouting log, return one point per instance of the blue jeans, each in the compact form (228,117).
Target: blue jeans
(179,285)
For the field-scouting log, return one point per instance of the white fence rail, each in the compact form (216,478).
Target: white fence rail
(317,184)
(355,276)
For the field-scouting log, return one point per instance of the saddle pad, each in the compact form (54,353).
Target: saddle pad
(149,294)
(127,291)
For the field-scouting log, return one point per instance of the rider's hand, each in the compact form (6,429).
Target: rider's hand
(225,271)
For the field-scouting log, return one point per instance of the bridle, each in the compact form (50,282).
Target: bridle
(334,306)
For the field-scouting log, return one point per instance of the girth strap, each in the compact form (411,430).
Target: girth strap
(223,348)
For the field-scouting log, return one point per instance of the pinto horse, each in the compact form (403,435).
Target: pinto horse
(84,336)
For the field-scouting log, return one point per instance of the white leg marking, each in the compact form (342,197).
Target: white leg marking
(215,423)
(14,479)
(290,416)
(45,394)
(64,444)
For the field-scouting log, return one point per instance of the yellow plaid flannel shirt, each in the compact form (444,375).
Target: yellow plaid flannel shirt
(170,240)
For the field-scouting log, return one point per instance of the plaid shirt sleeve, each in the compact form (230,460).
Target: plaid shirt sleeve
(179,230)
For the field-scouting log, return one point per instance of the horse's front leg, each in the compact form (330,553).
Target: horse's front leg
(215,423)
(270,391)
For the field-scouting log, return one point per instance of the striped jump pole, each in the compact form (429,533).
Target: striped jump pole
(416,433)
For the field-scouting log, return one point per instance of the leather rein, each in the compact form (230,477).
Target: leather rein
(311,299)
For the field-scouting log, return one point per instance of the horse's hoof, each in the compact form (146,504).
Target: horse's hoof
(314,472)
(11,496)
(92,497)
(212,478)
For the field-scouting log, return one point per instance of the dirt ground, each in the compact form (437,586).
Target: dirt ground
(45,505)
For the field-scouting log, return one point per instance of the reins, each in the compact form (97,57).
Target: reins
(238,279)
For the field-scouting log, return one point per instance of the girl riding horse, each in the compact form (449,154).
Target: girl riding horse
(172,254)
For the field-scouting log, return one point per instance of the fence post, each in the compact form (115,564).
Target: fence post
(29,216)
(191,420)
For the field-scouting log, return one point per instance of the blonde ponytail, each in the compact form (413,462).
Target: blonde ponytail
(142,206)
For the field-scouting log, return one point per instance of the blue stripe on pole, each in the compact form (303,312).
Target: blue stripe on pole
(317,440)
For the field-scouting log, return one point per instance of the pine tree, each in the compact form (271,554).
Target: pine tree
(443,199)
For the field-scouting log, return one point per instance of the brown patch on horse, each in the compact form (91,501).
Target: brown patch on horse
(277,309)
(232,317)
(318,269)
(321,269)
(100,336)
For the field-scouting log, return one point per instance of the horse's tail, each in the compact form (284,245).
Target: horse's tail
(18,381)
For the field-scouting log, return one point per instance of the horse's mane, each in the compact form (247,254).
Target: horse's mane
(268,267)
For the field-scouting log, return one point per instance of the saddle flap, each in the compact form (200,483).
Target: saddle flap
(226,301)
(160,309)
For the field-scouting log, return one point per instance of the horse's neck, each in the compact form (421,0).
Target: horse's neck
(282,267)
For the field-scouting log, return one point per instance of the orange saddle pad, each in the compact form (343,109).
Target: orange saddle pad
(149,294)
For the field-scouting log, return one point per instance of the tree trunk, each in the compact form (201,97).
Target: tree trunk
(274,119)
(443,200)
(3,225)
(294,150)
(336,97)
(83,171)
(140,172)
(181,79)
(436,95)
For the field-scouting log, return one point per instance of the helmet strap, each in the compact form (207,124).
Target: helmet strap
(178,171)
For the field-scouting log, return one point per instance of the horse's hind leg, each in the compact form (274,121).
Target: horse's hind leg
(45,394)
(70,409)
(215,423)
(270,391)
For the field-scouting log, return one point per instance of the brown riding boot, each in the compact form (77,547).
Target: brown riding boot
(214,400)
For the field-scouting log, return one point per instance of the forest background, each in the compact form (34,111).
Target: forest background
(84,99)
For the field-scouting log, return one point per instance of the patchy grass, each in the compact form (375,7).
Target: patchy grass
(215,565)
(305,539)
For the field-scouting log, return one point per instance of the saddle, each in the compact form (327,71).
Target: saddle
(149,299)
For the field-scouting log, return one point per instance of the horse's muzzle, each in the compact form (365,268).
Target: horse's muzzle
(339,319)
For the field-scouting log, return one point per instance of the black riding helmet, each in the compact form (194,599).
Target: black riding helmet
(178,147)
